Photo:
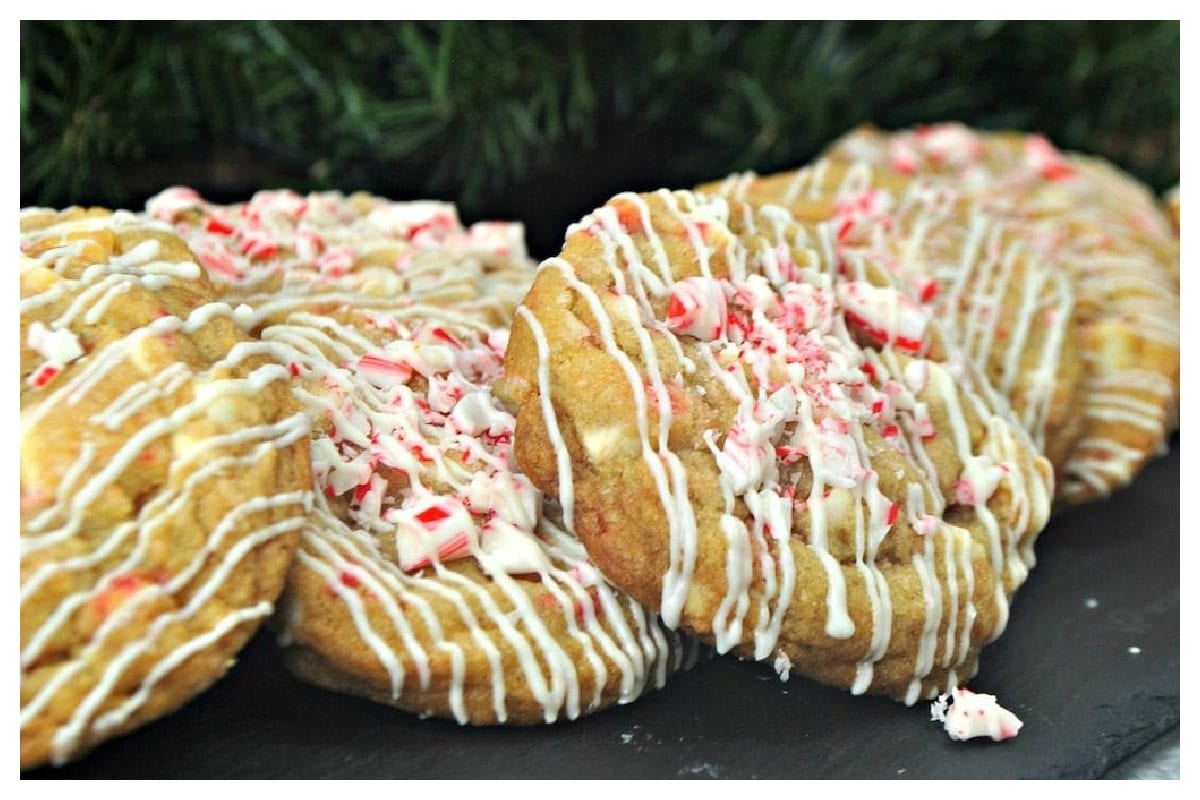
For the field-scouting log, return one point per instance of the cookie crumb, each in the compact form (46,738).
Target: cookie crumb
(706,769)
(782,665)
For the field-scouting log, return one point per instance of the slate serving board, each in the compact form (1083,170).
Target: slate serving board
(1064,666)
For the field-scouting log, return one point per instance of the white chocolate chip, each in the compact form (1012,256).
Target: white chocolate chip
(602,443)
(839,507)
(223,410)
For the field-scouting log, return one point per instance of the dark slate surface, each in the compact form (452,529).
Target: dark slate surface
(1064,668)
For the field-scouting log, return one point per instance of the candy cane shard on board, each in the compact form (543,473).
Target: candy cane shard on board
(967,715)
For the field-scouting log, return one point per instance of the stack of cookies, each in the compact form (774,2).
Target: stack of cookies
(816,419)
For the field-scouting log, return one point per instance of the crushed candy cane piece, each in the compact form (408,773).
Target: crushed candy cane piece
(171,202)
(383,372)
(1046,159)
(886,315)
(971,715)
(58,345)
(697,307)
(439,526)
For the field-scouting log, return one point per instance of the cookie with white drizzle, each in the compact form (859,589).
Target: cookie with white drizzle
(1024,175)
(1012,312)
(784,461)
(164,480)
(1103,231)
(430,577)
(282,250)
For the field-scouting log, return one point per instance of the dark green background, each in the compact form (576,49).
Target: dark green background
(543,121)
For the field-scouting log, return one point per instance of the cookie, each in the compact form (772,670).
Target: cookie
(1105,232)
(164,480)
(1012,313)
(431,575)
(282,250)
(788,462)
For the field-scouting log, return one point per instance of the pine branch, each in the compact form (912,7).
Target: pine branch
(479,111)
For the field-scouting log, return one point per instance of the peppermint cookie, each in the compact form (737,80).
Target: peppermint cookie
(1012,313)
(1106,233)
(430,576)
(1022,174)
(789,462)
(283,251)
(164,480)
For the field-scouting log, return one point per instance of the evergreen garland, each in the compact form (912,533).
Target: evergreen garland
(494,114)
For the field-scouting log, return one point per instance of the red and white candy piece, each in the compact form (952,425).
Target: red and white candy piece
(841,464)
(426,224)
(383,371)
(169,203)
(474,415)
(926,524)
(867,203)
(445,393)
(904,156)
(746,455)
(697,307)
(978,482)
(423,352)
(503,239)
(282,206)
(258,243)
(58,346)
(335,262)
(436,526)
(509,503)
(219,263)
(336,474)
(804,307)
(508,548)
(949,144)
(886,315)
(1045,159)
(973,715)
